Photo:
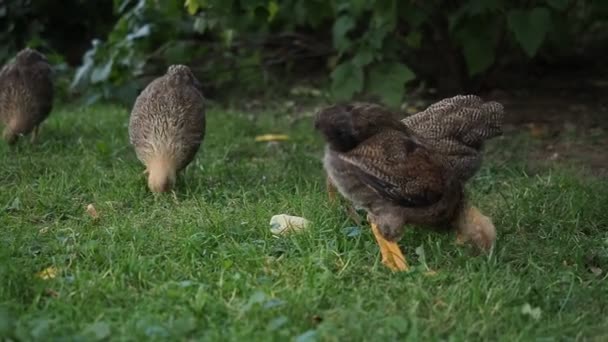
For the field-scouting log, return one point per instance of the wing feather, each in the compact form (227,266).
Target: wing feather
(398,168)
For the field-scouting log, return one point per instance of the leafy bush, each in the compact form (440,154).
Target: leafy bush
(366,47)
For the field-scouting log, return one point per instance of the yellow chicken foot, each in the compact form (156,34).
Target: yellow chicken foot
(391,254)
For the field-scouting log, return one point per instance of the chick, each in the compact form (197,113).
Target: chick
(26,94)
(167,125)
(400,176)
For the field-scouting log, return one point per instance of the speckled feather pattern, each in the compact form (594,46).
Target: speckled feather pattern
(411,171)
(168,118)
(26,92)
(457,127)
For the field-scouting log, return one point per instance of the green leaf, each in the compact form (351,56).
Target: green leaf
(192,6)
(530,27)
(347,80)
(476,7)
(364,56)
(141,32)
(102,72)
(273,9)
(558,4)
(387,80)
(414,39)
(358,6)
(200,25)
(81,77)
(478,54)
(341,27)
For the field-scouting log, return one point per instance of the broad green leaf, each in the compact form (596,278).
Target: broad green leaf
(273,9)
(364,56)
(192,6)
(200,25)
(347,80)
(81,77)
(141,32)
(341,27)
(102,72)
(414,39)
(478,54)
(358,6)
(475,7)
(471,9)
(387,80)
(530,27)
(413,14)
(558,4)
(228,37)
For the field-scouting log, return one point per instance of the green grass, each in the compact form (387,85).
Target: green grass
(204,265)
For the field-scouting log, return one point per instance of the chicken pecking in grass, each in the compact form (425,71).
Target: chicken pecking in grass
(411,171)
(167,125)
(26,94)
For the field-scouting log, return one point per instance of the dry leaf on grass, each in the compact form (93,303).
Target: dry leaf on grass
(92,212)
(595,270)
(48,273)
(271,137)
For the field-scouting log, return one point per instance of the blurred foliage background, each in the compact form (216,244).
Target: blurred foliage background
(379,49)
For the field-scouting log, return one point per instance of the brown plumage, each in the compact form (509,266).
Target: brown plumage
(410,172)
(457,127)
(167,125)
(26,94)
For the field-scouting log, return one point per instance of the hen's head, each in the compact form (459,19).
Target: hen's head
(29,56)
(182,74)
(344,126)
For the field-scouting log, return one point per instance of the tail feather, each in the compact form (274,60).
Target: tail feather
(457,127)
(464,117)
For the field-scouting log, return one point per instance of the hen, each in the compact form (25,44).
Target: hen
(167,125)
(26,94)
(411,171)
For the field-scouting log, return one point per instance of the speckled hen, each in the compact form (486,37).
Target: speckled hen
(26,94)
(411,171)
(167,125)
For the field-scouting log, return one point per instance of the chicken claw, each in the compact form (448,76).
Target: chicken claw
(391,254)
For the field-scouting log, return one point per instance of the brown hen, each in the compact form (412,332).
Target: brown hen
(411,171)
(167,125)
(26,94)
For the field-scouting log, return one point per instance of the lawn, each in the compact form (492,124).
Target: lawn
(203,264)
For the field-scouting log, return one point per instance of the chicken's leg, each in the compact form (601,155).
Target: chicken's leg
(391,254)
(331,190)
(473,226)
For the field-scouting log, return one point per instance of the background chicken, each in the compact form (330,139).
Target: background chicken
(411,171)
(26,94)
(167,125)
